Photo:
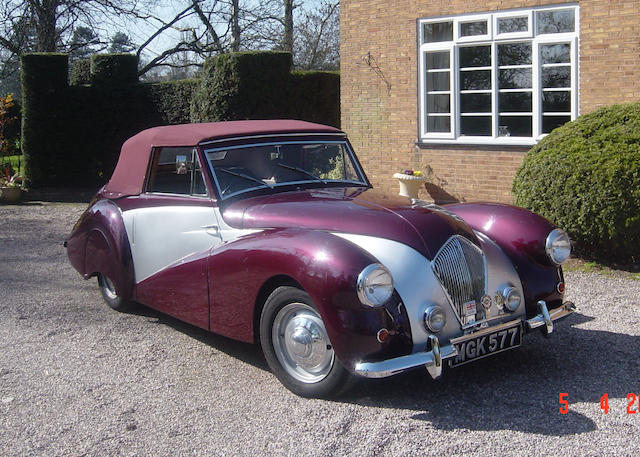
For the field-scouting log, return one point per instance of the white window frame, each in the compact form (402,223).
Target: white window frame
(493,39)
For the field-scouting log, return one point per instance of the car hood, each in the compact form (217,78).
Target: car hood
(351,210)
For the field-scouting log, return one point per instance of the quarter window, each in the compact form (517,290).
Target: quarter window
(507,77)
(176,171)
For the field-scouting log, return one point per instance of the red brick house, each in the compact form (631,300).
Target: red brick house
(466,88)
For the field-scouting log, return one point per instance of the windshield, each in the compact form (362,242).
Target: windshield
(239,169)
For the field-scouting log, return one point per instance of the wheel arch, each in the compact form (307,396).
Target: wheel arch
(269,286)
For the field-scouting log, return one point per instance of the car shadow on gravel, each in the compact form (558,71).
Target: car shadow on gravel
(518,390)
(246,352)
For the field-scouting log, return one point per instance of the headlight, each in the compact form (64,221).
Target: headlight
(375,285)
(512,298)
(558,246)
(435,318)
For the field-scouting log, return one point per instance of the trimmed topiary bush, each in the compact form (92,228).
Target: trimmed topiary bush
(242,85)
(80,72)
(585,177)
(114,69)
(316,95)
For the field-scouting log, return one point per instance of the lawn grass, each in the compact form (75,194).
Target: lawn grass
(589,266)
(17,162)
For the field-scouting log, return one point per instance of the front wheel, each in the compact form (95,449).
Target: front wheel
(295,343)
(110,296)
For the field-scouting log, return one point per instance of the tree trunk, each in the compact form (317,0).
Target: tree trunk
(235,25)
(46,34)
(287,39)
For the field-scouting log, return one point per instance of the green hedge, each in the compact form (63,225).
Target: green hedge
(242,85)
(72,135)
(80,72)
(114,69)
(317,97)
(44,129)
(585,177)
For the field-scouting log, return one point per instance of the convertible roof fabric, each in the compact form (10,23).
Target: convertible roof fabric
(128,177)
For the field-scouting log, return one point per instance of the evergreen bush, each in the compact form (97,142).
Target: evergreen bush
(585,177)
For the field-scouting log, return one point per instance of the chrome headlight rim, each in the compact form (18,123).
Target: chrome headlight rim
(367,298)
(551,246)
(430,313)
(507,294)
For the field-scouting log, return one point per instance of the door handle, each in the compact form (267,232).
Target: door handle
(212,230)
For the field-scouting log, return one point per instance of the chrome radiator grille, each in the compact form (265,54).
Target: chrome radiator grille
(459,265)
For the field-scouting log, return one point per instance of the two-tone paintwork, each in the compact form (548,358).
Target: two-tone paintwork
(214,263)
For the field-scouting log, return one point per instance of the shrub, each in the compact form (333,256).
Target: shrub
(80,72)
(9,125)
(242,85)
(44,134)
(317,97)
(585,177)
(114,69)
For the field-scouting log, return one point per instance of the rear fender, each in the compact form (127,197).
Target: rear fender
(99,244)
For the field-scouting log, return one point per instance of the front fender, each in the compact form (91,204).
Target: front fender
(99,244)
(324,265)
(521,234)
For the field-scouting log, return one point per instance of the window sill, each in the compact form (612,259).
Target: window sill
(477,141)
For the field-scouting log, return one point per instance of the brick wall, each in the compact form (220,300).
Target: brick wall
(379,100)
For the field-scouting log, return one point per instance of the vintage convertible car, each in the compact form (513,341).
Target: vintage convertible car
(270,232)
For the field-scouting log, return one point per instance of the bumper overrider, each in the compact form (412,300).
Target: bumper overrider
(432,359)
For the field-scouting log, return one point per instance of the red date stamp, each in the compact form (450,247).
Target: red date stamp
(633,405)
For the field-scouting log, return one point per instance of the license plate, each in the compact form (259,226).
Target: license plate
(477,347)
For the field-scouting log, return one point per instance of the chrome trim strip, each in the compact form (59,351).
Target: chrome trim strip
(546,318)
(273,135)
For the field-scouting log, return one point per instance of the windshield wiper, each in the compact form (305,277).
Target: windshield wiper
(301,170)
(242,175)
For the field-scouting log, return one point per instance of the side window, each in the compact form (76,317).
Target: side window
(176,171)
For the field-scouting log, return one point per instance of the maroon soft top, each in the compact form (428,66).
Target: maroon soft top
(128,177)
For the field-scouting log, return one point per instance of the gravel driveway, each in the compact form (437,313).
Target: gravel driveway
(77,378)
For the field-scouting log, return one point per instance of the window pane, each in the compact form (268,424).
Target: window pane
(438,103)
(437,60)
(438,81)
(475,56)
(440,124)
(515,78)
(515,126)
(556,77)
(475,125)
(473,28)
(475,80)
(514,54)
(475,103)
(513,24)
(514,102)
(555,53)
(557,21)
(556,102)
(439,31)
(171,171)
(551,122)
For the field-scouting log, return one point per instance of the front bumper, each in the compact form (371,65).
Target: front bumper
(432,360)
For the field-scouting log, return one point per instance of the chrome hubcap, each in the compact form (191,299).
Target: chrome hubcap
(109,288)
(301,344)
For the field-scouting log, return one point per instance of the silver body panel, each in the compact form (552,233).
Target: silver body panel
(417,285)
(162,236)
